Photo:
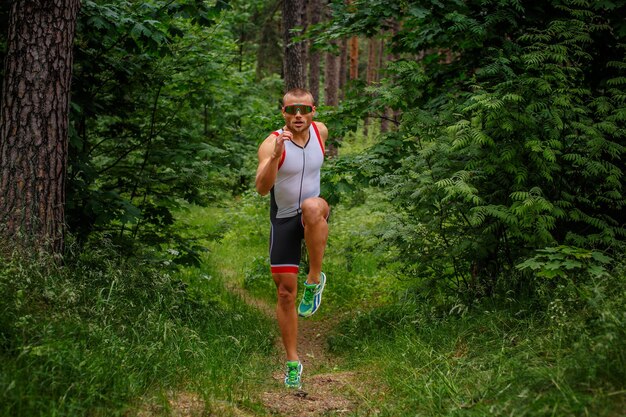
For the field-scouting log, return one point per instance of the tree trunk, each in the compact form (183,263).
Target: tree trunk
(293,63)
(343,67)
(384,58)
(372,61)
(34,112)
(390,114)
(371,76)
(354,58)
(315,14)
(331,79)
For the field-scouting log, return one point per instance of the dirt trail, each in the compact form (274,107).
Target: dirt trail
(326,391)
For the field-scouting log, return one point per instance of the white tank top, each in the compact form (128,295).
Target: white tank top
(298,176)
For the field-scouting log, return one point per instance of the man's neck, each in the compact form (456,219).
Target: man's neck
(301,138)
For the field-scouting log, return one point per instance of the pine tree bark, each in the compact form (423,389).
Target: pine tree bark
(293,63)
(34,110)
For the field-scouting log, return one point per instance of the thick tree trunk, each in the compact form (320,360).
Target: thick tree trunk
(315,14)
(34,123)
(293,63)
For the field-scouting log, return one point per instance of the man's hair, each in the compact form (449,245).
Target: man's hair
(298,92)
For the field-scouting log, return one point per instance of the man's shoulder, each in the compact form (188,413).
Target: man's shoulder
(322,129)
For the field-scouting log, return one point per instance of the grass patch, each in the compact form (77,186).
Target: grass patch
(492,360)
(97,335)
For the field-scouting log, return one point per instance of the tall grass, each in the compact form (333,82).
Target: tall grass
(100,334)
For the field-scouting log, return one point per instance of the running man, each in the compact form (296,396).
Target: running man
(289,168)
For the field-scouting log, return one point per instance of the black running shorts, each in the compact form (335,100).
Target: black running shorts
(286,244)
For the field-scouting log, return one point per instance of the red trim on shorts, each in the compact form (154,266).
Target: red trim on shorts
(319,138)
(284,269)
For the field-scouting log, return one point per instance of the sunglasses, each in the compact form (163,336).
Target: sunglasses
(295,108)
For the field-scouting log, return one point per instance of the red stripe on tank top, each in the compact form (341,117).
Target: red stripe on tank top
(319,138)
(282,158)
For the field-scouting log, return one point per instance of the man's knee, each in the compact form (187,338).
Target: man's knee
(314,209)
(286,288)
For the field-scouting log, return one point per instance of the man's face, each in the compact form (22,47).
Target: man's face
(298,112)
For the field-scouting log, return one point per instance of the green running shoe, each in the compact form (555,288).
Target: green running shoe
(312,297)
(293,375)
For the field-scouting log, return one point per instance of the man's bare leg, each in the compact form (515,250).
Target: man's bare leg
(287,287)
(314,214)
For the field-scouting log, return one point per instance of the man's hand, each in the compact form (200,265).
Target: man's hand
(270,153)
(279,146)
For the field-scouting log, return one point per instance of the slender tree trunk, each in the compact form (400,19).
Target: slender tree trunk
(354,58)
(343,67)
(372,71)
(390,114)
(331,79)
(315,13)
(372,61)
(384,58)
(315,10)
(293,64)
(34,111)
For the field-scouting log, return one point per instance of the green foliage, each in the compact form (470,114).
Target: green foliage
(566,262)
(511,138)
(165,108)
(92,337)
(258,278)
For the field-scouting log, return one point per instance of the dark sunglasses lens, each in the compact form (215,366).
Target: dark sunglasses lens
(298,108)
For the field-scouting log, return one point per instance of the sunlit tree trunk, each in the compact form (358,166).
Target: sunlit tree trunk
(293,63)
(34,123)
